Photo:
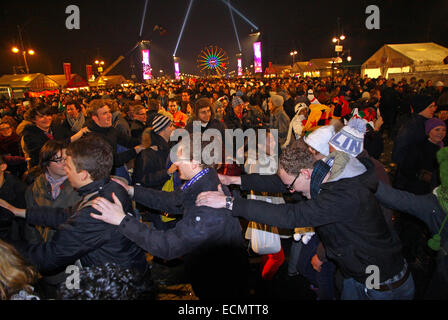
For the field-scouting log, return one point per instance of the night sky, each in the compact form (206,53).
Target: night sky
(111,28)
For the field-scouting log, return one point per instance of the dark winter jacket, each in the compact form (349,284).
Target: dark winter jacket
(10,145)
(150,169)
(12,191)
(114,137)
(137,128)
(33,140)
(413,132)
(347,218)
(212,124)
(231,120)
(209,240)
(425,207)
(79,236)
(373,143)
(419,172)
(253,117)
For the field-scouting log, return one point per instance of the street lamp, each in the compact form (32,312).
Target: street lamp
(293,54)
(100,64)
(24,53)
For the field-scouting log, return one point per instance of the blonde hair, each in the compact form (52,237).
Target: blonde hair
(15,274)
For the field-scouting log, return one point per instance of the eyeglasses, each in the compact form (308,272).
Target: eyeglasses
(58,160)
(291,186)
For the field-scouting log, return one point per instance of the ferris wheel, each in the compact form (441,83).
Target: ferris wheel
(213,59)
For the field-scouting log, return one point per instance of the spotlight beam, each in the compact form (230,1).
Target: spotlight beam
(183,27)
(234,25)
(143,18)
(240,14)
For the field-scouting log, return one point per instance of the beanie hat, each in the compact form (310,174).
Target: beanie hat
(442,195)
(277,100)
(160,122)
(351,137)
(319,138)
(432,123)
(421,102)
(236,101)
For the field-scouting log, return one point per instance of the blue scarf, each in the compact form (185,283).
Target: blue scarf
(320,171)
(195,178)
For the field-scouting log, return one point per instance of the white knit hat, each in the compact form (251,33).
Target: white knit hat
(351,137)
(319,138)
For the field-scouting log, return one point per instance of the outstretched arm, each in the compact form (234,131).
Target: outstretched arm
(186,236)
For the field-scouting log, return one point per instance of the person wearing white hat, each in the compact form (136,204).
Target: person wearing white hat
(318,141)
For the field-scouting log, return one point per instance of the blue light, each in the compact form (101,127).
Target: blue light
(240,14)
(234,25)
(143,18)
(183,26)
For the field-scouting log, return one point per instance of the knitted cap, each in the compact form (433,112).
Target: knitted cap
(432,123)
(351,137)
(160,122)
(421,102)
(236,101)
(319,138)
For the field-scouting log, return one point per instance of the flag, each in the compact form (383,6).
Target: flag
(162,30)
(67,71)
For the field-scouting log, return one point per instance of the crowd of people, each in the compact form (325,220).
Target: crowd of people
(88,179)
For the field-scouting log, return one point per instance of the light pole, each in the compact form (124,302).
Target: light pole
(293,55)
(24,52)
(100,65)
(338,48)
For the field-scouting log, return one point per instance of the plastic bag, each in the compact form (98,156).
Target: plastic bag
(264,239)
(168,187)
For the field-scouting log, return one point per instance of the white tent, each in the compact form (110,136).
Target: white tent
(402,58)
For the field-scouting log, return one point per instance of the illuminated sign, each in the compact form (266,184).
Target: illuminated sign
(176,70)
(146,65)
(257,57)
(240,67)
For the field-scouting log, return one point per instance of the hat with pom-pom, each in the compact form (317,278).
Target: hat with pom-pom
(442,195)
(350,139)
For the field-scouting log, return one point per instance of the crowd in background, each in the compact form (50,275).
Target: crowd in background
(137,123)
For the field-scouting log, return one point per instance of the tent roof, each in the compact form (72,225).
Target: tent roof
(75,80)
(427,53)
(304,66)
(18,80)
(423,53)
(60,78)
